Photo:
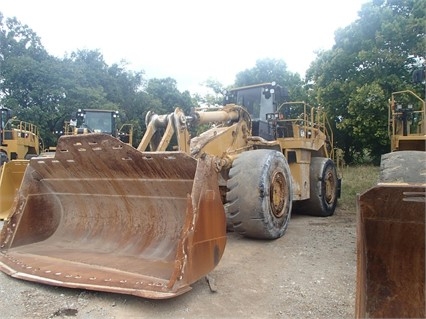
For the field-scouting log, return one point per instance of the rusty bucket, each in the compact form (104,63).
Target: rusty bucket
(101,215)
(391,252)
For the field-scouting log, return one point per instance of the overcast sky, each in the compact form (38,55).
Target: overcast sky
(188,40)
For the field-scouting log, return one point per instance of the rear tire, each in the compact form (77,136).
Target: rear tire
(324,186)
(260,194)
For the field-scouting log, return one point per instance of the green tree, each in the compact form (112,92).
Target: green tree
(216,96)
(268,70)
(372,57)
(29,82)
(86,77)
(166,91)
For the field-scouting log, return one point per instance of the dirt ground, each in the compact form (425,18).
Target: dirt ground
(308,273)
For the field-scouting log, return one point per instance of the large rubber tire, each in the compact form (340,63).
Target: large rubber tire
(259,197)
(403,166)
(324,187)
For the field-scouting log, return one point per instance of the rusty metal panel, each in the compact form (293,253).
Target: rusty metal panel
(391,252)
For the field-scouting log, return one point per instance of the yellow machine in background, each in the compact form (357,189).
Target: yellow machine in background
(86,121)
(19,139)
(19,142)
(391,221)
(407,122)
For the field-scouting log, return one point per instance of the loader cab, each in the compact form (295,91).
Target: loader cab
(260,101)
(95,121)
(407,121)
(5,115)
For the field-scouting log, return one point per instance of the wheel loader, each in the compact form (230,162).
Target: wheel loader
(86,121)
(152,220)
(19,141)
(391,220)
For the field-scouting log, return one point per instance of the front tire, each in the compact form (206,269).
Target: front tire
(260,194)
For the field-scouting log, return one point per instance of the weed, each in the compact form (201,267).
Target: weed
(356,180)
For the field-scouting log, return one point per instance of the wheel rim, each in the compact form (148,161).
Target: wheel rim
(330,187)
(278,194)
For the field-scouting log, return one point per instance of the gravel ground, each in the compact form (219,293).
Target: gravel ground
(308,273)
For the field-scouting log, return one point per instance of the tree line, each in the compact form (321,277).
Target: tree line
(374,56)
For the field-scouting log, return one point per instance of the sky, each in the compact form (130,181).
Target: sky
(188,40)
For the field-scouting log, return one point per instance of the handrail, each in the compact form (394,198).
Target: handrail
(21,131)
(312,118)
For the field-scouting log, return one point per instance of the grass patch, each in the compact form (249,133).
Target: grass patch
(356,180)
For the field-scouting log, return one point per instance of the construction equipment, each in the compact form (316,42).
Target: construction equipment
(86,121)
(102,215)
(19,141)
(391,221)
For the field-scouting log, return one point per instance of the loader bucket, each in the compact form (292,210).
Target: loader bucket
(391,252)
(11,175)
(102,216)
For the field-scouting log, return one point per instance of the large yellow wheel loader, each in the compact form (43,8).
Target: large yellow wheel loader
(151,221)
(391,221)
(19,141)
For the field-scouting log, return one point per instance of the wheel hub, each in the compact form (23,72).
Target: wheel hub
(278,194)
(329,188)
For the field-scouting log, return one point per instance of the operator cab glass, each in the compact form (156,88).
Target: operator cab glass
(99,121)
(259,101)
(4,117)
